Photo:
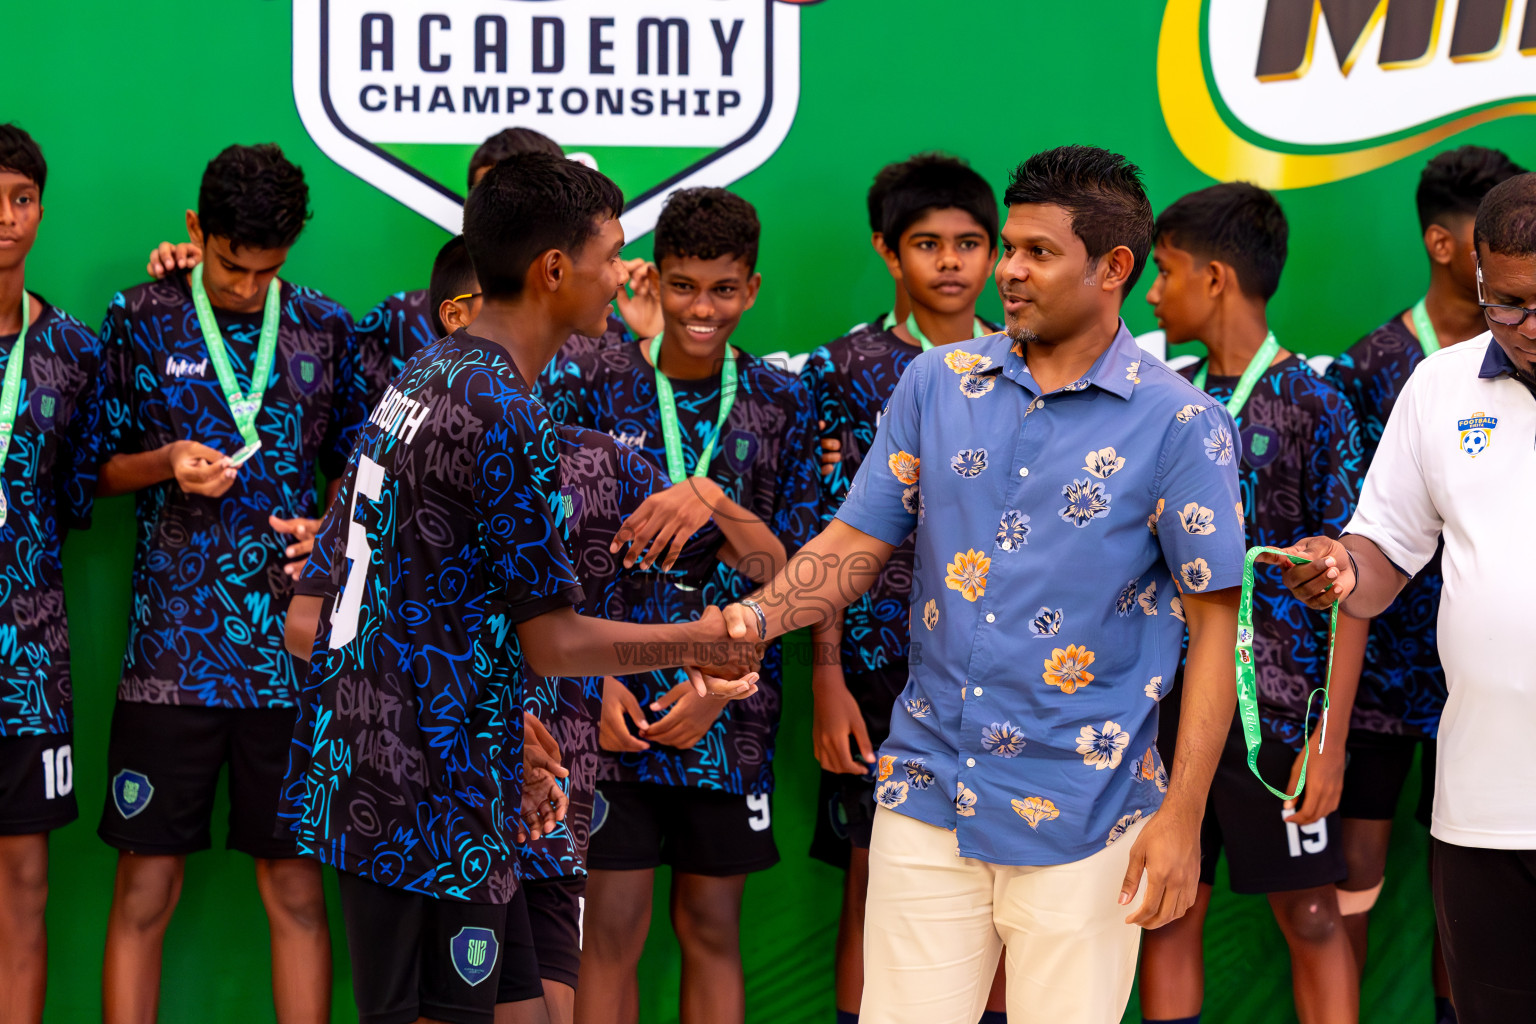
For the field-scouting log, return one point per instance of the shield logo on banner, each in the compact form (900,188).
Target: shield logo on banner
(740,450)
(305,369)
(1261,446)
(473,952)
(45,406)
(131,792)
(658,94)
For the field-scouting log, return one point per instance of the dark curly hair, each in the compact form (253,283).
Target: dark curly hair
(1454,182)
(707,223)
(936,181)
(253,196)
(527,205)
(1238,224)
(1506,222)
(1101,190)
(510,142)
(20,153)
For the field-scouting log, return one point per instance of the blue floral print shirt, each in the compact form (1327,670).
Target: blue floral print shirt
(1054,535)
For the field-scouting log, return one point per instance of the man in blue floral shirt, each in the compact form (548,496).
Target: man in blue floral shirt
(1021,766)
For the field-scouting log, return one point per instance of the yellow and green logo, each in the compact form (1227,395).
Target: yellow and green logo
(1296,93)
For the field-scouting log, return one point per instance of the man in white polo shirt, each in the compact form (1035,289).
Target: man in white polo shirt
(1458,461)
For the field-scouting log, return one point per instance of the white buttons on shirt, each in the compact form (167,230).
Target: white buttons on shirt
(991,617)
(977,691)
(970,762)
(1023,471)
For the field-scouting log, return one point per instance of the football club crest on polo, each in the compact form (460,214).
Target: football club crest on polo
(131,792)
(473,952)
(1476,433)
(658,94)
(740,449)
(1261,446)
(305,370)
(45,407)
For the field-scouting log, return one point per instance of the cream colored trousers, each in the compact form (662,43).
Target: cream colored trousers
(936,921)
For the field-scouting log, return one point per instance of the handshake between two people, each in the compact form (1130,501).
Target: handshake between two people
(727,651)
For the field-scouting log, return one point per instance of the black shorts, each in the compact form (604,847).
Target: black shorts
(163,764)
(641,825)
(417,956)
(1377,770)
(845,803)
(1485,908)
(519,979)
(1265,853)
(554,916)
(37,784)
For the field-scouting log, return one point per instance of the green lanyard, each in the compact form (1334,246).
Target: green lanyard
(1247,678)
(1260,362)
(10,394)
(671,433)
(243,405)
(1428,339)
(888,322)
(978,331)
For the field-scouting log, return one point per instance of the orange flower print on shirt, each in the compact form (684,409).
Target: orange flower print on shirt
(904,467)
(1068,668)
(968,574)
(1035,809)
(964,362)
(887,765)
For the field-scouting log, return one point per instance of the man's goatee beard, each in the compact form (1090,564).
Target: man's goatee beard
(1022,334)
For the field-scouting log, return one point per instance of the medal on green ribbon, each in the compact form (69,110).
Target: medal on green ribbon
(1247,677)
(1428,339)
(979,330)
(1256,367)
(10,395)
(243,405)
(672,433)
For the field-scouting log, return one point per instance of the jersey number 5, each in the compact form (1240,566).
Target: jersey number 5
(369,483)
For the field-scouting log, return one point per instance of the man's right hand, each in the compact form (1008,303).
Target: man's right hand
(612,732)
(836,716)
(727,655)
(169,257)
(1329,576)
(201,470)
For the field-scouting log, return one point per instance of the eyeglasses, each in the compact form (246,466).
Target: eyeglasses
(476,295)
(1504,316)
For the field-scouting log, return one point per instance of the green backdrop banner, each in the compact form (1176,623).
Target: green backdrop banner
(796,106)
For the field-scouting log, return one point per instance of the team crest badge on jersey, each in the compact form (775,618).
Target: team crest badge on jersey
(473,952)
(131,792)
(305,369)
(570,505)
(1476,433)
(45,407)
(1261,446)
(599,812)
(658,94)
(740,450)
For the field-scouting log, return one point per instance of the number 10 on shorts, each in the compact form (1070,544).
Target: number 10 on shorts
(58,772)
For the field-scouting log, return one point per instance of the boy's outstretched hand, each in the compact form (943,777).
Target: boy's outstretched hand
(664,522)
(1327,578)
(168,257)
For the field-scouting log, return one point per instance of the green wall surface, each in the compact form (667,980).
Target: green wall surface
(129,101)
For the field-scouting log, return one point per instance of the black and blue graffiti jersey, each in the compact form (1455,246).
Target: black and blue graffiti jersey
(407,758)
(1301,468)
(601,483)
(1402,686)
(764,462)
(209,591)
(49,478)
(400,326)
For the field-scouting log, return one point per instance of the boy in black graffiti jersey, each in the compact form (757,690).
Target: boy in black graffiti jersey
(1402,687)
(197,369)
(690,788)
(941,219)
(47,481)
(1219,254)
(451,575)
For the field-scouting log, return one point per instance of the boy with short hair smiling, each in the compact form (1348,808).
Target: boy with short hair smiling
(691,788)
(1219,254)
(48,454)
(942,220)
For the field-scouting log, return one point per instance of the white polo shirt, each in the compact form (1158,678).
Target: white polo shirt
(1458,460)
